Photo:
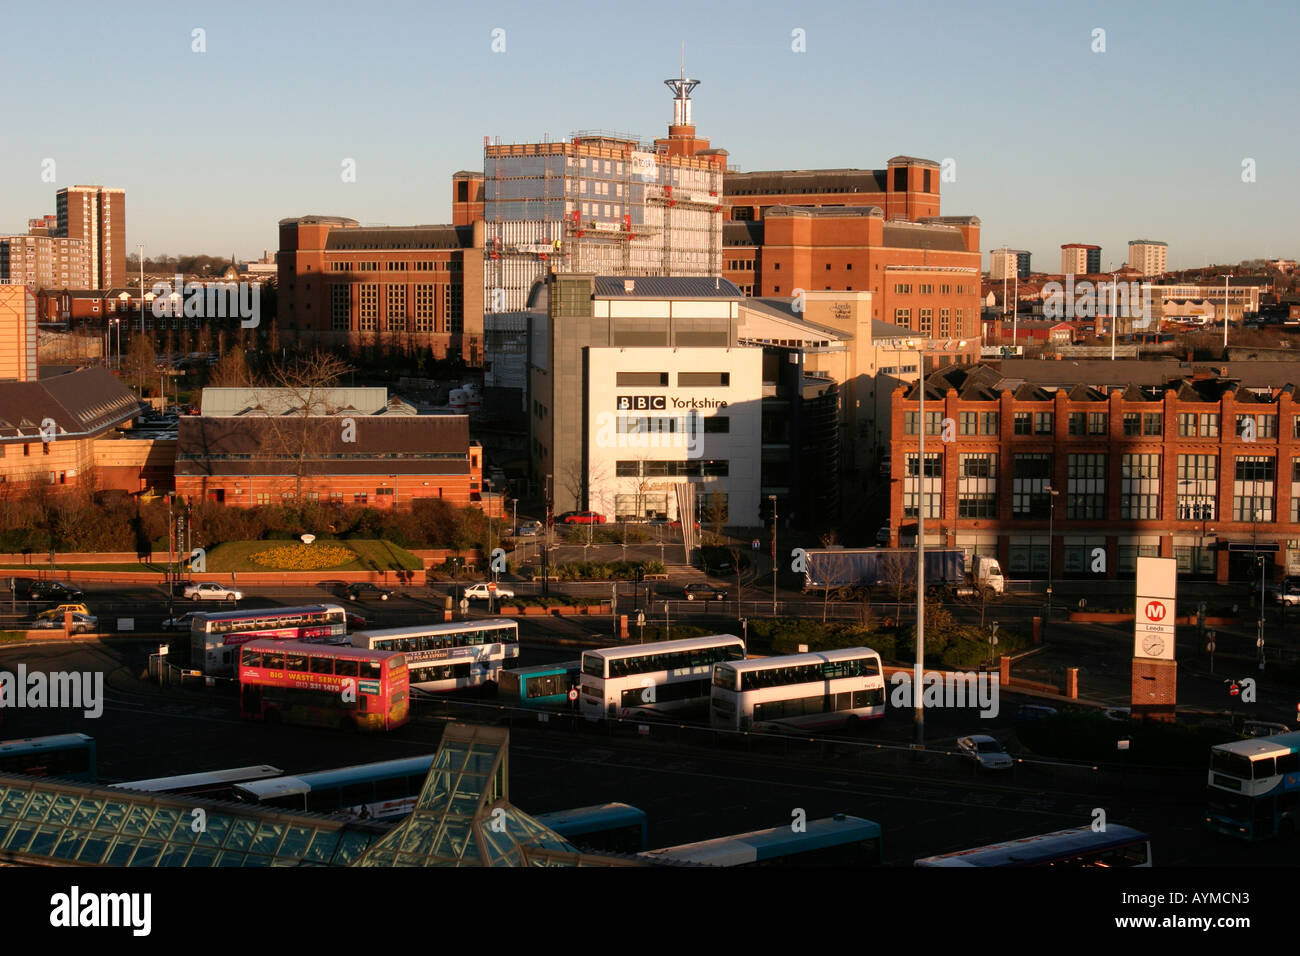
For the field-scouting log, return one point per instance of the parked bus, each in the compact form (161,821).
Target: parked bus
(823,689)
(215,637)
(454,656)
(319,685)
(608,827)
(1116,846)
(543,685)
(650,678)
(1254,787)
(840,840)
(367,791)
(214,785)
(62,755)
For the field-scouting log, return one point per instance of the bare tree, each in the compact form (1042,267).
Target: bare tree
(896,571)
(231,371)
(829,538)
(300,426)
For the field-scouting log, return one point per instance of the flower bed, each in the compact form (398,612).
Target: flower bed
(303,557)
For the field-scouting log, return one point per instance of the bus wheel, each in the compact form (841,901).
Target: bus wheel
(853,725)
(272,717)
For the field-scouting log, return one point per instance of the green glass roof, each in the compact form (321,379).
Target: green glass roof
(462,818)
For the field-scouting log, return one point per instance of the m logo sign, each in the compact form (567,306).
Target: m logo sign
(1155,611)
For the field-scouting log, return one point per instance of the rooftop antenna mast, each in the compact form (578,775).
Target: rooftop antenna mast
(681,88)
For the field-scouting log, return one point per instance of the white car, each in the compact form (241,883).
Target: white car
(480,592)
(180,622)
(212,592)
(985,751)
(1288,593)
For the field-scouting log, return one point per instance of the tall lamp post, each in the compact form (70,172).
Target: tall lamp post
(772,498)
(918,698)
(140,248)
(1051,549)
(1225,279)
(1259,643)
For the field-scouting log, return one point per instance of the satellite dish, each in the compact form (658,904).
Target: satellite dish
(308,538)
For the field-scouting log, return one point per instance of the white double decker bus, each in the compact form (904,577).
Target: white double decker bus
(822,689)
(443,657)
(651,678)
(215,638)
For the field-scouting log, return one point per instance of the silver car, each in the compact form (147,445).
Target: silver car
(81,624)
(212,592)
(985,751)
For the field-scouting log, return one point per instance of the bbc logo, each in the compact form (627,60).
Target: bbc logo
(642,403)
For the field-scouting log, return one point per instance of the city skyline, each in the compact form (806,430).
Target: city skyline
(431,99)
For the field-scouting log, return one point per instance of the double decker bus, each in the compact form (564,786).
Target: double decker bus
(61,755)
(840,840)
(214,785)
(371,791)
(1254,787)
(823,689)
(543,685)
(323,685)
(215,637)
(650,678)
(607,827)
(453,656)
(1116,846)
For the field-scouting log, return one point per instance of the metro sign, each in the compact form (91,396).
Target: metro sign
(1155,611)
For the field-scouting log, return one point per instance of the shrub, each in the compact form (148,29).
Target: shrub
(303,557)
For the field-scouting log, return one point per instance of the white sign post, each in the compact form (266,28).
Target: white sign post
(1155,610)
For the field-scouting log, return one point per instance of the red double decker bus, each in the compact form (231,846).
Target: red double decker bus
(323,686)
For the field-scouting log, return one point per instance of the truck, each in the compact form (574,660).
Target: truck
(865,567)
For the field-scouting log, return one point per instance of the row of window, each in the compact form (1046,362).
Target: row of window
(800,674)
(650,663)
(924,288)
(402,266)
(660,380)
(691,468)
(830,703)
(437,642)
(312,664)
(1086,486)
(671,425)
(1190,424)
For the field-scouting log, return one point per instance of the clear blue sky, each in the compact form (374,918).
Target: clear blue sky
(1053,143)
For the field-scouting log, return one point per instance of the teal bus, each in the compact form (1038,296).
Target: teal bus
(71,756)
(371,791)
(840,840)
(1254,787)
(543,685)
(608,827)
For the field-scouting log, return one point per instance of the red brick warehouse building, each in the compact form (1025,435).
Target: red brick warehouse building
(1192,464)
(395,287)
(378,462)
(857,230)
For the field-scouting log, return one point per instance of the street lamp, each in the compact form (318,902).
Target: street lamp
(772,498)
(1051,521)
(1259,643)
(140,248)
(1225,279)
(918,699)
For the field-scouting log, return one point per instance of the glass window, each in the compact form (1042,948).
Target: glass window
(1132,423)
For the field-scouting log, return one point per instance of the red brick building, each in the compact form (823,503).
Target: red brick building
(396,287)
(381,461)
(907,189)
(1192,465)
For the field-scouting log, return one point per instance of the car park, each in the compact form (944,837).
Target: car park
(212,592)
(363,591)
(480,592)
(703,592)
(58,612)
(582,517)
(987,753)
(81,623)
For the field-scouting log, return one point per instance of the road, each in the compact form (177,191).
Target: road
(691,790)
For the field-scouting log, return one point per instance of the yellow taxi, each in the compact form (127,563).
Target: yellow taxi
(57,612)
